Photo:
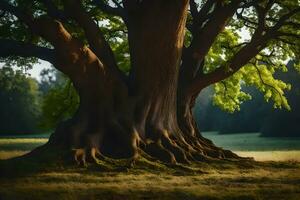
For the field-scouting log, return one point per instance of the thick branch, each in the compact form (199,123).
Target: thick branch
(94,35)
(204,38)
(15,48)
(242,57)
(259,41)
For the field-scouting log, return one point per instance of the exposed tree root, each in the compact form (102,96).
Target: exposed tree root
(51,157)
(166,151)
(71,146)
(165,147)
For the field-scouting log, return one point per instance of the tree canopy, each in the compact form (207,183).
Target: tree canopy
(138,66)
(266,30)
(59,100)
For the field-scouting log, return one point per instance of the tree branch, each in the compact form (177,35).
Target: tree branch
(53,11)
(226,95)
(283,19)
(204,38)
(21,15)
(293,35)
(118,11)
(15,48)
(94,35)
(199,17)
(193,8)
(242,57)
(117,3)
(258,42)
(266,84)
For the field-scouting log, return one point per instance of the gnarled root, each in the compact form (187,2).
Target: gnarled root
(121,140)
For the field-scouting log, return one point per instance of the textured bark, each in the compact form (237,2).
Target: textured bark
(148,112)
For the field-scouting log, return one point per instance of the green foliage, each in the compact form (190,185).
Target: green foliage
(223,49)
(60,101)
(254,115)
(229,94)
(113,28)
(297,67)
(259,72)
(116,34)
(19,102)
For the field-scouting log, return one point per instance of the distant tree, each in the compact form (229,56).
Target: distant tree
(19,103)
(245,120)
(60,100)
(280,122)
(138,66)
(254,115)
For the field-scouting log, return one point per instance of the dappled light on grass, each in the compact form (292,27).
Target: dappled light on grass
(11,154)
(13,141)
(18,146)
(272,181)
(271,155)
(151,180)
(13,147)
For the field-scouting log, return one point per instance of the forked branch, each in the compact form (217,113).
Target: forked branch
(95,37)
(15,48)
(260,38)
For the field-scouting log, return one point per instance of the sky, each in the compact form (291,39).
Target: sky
(37,68)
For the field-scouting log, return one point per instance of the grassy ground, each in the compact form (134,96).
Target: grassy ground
(216,180)
(13,147)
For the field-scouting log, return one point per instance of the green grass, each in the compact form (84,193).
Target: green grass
(273,181)
(12,147)
(147,180)
(253,142)
(289,155)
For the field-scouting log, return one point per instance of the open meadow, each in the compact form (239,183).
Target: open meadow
(215,180)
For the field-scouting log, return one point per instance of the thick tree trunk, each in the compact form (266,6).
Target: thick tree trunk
(152,112)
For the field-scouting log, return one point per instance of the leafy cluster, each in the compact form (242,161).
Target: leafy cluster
(260,72)
(240,30)
(19,102)
(60,99)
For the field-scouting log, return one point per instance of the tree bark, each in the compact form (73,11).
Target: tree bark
(148,112)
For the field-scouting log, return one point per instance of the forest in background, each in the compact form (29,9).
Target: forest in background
(254,115)
(29,106)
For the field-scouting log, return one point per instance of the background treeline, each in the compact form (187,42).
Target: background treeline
(19,102)
(255,115)
(28,106)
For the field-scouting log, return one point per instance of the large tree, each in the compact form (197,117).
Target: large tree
(176,49)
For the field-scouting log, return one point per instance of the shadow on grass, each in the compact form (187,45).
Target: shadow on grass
(112,194)
(47,158)
(51,173)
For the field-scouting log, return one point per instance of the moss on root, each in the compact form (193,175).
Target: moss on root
(47,158)
(57,176)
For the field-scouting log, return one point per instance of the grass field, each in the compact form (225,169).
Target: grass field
(216,180)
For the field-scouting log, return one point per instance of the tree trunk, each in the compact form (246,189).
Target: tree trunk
(152,112)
